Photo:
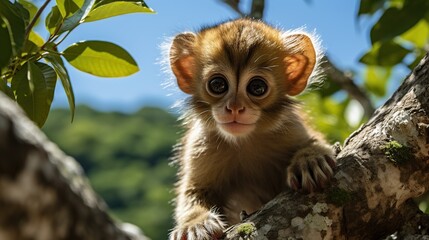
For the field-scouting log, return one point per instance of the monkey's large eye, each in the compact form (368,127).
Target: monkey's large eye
(257,87)
(218,85)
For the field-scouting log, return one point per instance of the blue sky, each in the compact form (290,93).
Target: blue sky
(343,36)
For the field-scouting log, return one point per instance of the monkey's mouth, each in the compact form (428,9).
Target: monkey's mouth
(237,128)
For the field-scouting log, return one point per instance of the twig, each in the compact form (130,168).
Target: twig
(34,20)
(234,5)
(258,7)
(257,10)
(347,84)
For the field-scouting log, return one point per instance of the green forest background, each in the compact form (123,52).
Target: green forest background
(125,157)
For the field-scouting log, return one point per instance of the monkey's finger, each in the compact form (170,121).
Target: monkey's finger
(326,167)
(293,177)
(293,182)
(307,183)
(177,234)
(320,176)
(332,163)
(213,229)
(198,232)
(194,233)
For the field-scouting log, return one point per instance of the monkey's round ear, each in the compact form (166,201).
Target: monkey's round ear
(299,63)
(182,60)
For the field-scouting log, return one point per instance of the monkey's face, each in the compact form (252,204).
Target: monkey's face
(241,79)
(238,100)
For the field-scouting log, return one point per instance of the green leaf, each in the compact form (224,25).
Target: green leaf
(34,86)
(31,8)
(69,7)
(418,35)
(22,12)
(34,42)
(397,3)
(100,58)
(385,54)
(60,69)
(396,21)
(50,80)
(12,21)
(53,20)
(6,47)
(36,39)
(77,17)
(116,8)
(376,79)
(329,112)
(370,6)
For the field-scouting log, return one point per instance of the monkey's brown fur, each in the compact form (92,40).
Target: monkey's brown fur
(241,148)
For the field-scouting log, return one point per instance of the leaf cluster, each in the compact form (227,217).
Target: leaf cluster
(31,65)
(399,37)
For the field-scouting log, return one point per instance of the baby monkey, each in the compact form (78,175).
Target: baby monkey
(246,139)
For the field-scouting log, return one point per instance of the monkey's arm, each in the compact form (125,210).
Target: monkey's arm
(196,218)
(311,166)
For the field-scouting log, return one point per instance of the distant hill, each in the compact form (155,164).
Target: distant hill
(125,157)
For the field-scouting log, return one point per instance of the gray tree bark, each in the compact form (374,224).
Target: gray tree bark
(43,192)
(381,168)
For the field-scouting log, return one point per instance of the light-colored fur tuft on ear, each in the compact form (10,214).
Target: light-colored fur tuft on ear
(170,82)
(164,62)
(182,45)
(292,47)
(182,60)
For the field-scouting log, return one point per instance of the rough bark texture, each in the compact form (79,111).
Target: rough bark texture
(43,193)
(382,166)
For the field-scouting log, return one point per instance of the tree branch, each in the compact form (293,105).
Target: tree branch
(346,83)
(43,193)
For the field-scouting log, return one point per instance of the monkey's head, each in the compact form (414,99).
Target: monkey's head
(239,75)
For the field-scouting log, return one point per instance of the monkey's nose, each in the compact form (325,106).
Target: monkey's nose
(235,109)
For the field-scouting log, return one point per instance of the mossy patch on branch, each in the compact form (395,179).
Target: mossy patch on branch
(397,152)
(244,231)
(339,196)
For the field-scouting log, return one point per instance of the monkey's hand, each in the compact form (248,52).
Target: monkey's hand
(311,167)
(199,224)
